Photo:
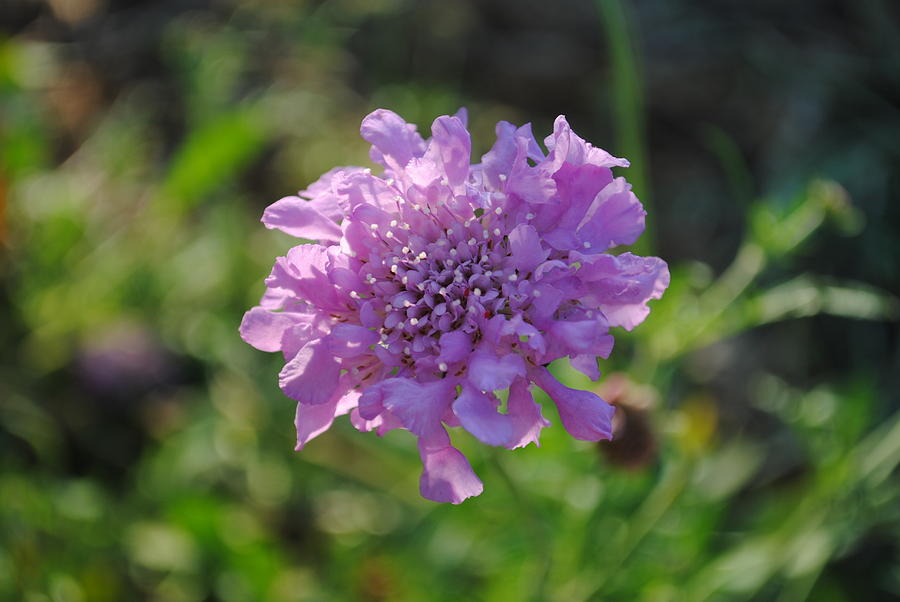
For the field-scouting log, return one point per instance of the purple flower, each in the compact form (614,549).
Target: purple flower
(439,283)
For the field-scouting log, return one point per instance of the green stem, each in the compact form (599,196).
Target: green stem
(628,105)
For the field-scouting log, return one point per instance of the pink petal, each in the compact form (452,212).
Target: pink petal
(477,412)
(298,218)
(311,377)
(525,248)
(584,415)
(447,475)
(394,142)
(622,285)
(350,340)
(489,372)
(263,329)
(525,414)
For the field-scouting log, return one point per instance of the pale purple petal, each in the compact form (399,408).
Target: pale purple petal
(312,375)
(447,477)
(587,365)
(455,346)
(394,142)
(477,412)
(296,217)
(584,415)
(525,248)
(263,329)
(350,340)
(615,218)
(490,373)
(622,285)
(525,415)
(419,406)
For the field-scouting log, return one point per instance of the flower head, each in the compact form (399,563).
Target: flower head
(440,282)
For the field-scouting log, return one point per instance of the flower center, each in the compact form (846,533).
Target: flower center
(423,289)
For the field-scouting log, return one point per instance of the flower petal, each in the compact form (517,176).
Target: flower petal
(447,475)
(477,412)
(525,414)
(489,372)
(263,329)
(419,406)
(312,375)
(449,148)
(584,415)
(455,346)
(525,248)
(620,286)
(394,142)
(616,217)
(587,365)
(296,217)
(350,340)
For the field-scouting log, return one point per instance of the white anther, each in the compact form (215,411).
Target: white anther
(442,367)
(388,307)
(496,231)
(373,226)
(426,210)
(450,262)
(453,252)
(498,211)
(590,313)
(442,291)
(394,269)
(423,255)
(407,303)
(456,302)
(384,337)
(513,277)
(389,234)
(442,242)
(477,292)
(444,181)
(421,286)
(405,280)
(488,273)
(472,242)
(407,350)
(354,295)
(399,199)
(393,223)
(449,231)
(502,177)
(536,293)
(413,321)
(586,245)
(529,216)
(399,325)
(405,250)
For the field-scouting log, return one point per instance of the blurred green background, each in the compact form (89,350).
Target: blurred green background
(146,451)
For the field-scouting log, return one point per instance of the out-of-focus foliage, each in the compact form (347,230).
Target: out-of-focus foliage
(146,452)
